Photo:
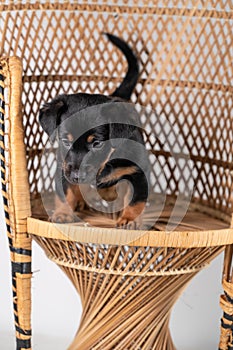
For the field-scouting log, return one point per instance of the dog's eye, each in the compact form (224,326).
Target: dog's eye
(97,144)
(66,143)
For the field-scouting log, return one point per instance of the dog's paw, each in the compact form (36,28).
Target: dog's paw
(130,218)
(81,205)
(126,223)
(62,217)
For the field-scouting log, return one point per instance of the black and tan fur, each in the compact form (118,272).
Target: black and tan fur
(71,113)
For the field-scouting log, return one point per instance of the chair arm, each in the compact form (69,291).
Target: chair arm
(14,173)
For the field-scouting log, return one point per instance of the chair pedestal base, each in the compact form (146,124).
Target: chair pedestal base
(126,312)
(127,292)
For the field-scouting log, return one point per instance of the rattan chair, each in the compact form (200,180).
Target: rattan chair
(128,280)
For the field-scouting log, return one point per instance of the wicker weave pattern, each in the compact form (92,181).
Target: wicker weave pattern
(185,78)
(138,261)
(185,52)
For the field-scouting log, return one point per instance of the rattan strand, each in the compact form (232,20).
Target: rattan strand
(129,273)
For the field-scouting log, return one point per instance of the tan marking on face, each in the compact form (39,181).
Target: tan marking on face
(119,172)
(70,137)
(90,138)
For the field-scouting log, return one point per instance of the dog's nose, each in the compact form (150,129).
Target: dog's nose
(85,173)
(82,175)
(74,175)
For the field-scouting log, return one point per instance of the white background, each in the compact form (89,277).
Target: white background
(195,320)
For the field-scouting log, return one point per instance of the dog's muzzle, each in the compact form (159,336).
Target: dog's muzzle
(79,176)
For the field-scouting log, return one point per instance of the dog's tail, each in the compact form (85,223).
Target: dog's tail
(128,84)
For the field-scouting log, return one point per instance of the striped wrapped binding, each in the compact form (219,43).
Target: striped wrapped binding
(226,302)
(20,256)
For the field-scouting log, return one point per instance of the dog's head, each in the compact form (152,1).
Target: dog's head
(90,130)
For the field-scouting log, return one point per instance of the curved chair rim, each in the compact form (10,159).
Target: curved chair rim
(114,236)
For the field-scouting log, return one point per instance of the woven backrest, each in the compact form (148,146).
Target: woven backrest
(184,93)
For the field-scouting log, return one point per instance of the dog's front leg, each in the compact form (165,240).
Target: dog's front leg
(67,199)
(65,207)
(130,214)
(135,207)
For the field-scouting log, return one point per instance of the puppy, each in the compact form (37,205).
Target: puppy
(100,143)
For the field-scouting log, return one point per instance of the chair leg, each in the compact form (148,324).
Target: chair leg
(226,302)
(20,250)
(21,284)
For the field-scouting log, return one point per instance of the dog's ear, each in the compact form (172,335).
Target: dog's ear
(123,121)
(50,116)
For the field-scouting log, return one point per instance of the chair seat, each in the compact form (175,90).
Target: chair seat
(165,223)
